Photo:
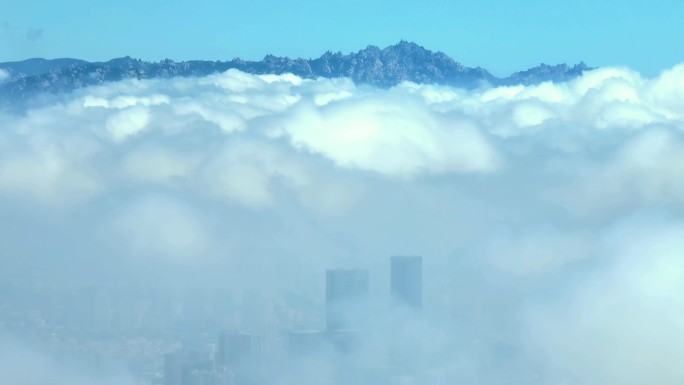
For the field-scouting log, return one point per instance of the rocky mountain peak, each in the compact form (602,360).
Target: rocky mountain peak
(381,67)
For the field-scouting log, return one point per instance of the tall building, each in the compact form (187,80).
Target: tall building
(346,296)
(175,368)
(242,355)
(302,344)
(406,287)
(179,366)
(406,281)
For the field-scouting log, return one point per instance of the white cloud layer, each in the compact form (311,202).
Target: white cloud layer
(533,197)
(627,312)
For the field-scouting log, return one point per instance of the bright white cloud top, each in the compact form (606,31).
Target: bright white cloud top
(566,199)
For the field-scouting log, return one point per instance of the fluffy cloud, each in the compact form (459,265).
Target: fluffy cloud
(535,251)
(626,311)
(154,226)
(645,170)
(50,167)
(397,137)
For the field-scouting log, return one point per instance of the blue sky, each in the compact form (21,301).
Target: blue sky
(502,36)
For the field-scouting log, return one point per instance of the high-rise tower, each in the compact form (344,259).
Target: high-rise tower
(242,354)
(346,296)
(406,281)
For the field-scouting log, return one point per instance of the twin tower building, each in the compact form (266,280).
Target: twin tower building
(240,358)
(348,308)
(347,292)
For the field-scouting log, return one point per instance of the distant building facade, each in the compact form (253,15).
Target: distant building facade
(302,344)
(241,354)
(180,366)
(406,281)
(346,299)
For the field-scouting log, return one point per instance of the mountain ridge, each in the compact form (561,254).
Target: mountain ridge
(380,67)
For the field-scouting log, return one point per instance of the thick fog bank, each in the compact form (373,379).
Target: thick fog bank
(549,217)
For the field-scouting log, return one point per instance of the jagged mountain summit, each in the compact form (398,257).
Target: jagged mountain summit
(384,67)
(557,73)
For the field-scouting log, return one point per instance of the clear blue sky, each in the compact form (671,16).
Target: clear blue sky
(501,35)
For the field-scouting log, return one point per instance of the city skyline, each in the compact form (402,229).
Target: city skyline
(241,356)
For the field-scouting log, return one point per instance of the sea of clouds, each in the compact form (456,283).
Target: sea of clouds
(549,216)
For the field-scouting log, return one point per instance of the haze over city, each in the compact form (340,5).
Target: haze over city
(386,215)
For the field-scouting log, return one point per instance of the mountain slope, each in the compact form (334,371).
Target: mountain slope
(386,67)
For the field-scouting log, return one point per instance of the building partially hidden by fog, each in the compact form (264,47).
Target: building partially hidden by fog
(406,281)
(406,289)
(180,368)
(301,344)
(175,369)
(241,354)
(346,296)
(322,357)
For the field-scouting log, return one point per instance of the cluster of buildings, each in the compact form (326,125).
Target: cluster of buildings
(323,356)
